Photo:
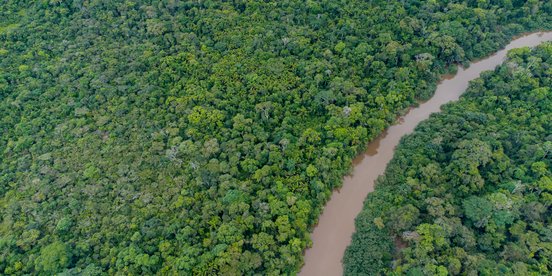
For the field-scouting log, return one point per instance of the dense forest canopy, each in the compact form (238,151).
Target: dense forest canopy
(470,191)
(203,137)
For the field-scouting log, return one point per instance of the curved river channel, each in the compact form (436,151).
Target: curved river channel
(336,224)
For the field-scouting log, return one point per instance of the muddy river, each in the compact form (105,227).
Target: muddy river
(336,225)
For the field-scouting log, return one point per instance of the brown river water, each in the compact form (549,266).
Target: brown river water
(336,224)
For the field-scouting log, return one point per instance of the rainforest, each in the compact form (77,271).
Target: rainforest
(204,137)
(469,192)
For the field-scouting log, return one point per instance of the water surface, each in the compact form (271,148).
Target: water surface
(336,225)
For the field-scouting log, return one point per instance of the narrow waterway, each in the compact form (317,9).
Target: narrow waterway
(336,225)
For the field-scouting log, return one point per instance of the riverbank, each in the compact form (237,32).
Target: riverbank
(336,224)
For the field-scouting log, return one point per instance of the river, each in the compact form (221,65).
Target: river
(333,233)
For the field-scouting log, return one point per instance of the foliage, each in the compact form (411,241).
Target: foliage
(203,137)
(469,191)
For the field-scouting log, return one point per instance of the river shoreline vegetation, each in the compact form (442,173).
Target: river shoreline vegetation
(469,192)
(204,137)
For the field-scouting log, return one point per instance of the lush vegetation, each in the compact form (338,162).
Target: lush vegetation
(203,137)
(470,191)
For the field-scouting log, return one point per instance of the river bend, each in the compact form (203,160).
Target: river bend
(333,233)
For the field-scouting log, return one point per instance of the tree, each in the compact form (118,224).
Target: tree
(53,258)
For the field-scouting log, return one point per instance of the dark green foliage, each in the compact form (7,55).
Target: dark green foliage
(479,177)
(203,137)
